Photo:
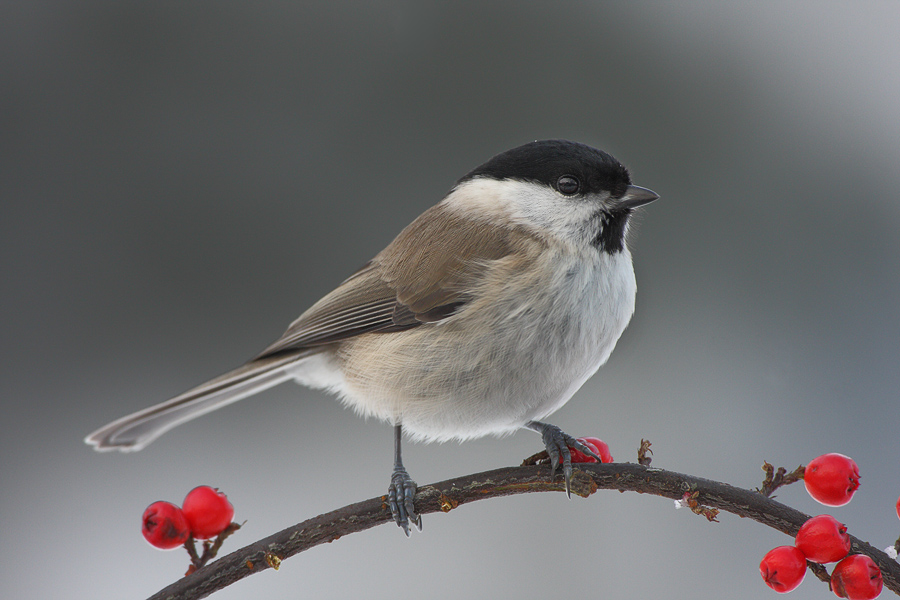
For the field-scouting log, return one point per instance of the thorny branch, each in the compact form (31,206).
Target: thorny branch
(446,495)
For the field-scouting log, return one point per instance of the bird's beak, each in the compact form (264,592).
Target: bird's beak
(636,196)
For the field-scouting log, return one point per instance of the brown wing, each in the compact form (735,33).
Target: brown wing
(436,261)
(362,303)
(423,276)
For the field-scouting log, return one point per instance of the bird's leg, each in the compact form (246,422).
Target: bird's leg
(557,444)
(402,491)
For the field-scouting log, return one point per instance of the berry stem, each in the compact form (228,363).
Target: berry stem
(210,549)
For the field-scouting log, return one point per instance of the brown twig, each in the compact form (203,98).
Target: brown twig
(447,495)
(643,451)
(820,572)
(776,479)
(540,458)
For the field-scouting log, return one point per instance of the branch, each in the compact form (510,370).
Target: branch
(447,495)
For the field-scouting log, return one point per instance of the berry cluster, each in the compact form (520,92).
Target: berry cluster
(205,513)
(831,479)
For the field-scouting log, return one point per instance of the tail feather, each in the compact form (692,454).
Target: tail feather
(135,431)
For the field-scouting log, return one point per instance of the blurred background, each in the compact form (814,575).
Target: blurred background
(180,180)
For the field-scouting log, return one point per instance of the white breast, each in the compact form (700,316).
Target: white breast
(517,352)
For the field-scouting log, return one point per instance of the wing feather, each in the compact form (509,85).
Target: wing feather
(424,276)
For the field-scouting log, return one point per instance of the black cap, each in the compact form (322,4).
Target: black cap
(546,161)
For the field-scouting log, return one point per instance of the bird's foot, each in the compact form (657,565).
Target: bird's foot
(401,496)
(557,443)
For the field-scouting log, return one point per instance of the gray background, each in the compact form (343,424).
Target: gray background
(180,180)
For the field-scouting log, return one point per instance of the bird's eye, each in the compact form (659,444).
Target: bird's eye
(568,185)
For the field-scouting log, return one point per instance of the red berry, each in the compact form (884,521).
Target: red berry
(898,507)
(598,446)
(602,448)
(783,568)
(578,456)
(857,577)
(831,479)
(823,539)
(208,512)
(165,526)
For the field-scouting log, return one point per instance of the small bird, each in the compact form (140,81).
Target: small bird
(484,316)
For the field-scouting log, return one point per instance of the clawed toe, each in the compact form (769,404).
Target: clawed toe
(401,499)
(557,443)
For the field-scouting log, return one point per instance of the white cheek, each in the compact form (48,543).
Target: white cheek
(480,197)
(533,206)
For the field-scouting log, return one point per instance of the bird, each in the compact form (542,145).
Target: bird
(483,316)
